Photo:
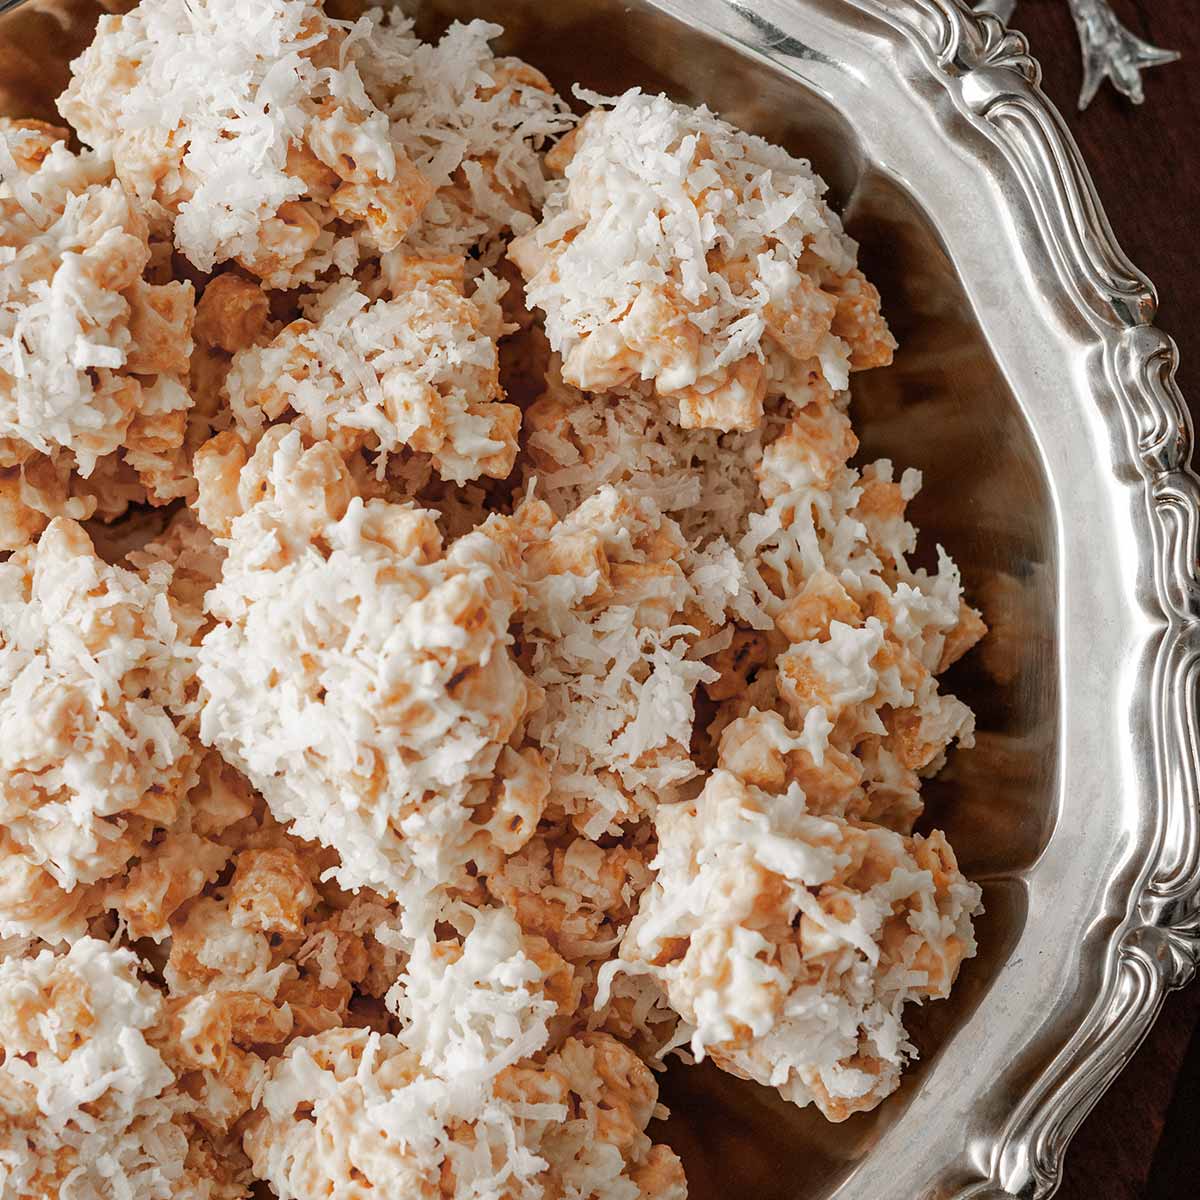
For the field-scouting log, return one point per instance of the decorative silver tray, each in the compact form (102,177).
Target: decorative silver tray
(1038,398)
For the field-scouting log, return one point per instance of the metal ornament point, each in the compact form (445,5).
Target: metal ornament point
(1110,50)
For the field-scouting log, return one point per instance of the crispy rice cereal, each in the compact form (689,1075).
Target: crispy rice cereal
(417,371)
(382,660)
(91,353)
(450,655)
(250,131)
(94,703)
(681,251)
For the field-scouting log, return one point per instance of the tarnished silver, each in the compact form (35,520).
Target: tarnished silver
(1110,51)
(1035,393)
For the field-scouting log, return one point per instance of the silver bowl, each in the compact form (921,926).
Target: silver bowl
(1037,396)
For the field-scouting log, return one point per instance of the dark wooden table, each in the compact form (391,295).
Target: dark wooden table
(1142,1142)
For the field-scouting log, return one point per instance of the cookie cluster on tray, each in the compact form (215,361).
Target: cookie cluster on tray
(448,659)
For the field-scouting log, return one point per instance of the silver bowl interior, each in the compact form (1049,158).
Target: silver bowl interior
(944,406)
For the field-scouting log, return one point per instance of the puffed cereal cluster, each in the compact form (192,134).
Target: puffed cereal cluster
(449,657)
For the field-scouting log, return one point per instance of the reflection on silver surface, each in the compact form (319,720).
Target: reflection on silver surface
(1003,9)
(1037,397)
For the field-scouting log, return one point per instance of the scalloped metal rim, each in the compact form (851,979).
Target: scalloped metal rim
(992,77)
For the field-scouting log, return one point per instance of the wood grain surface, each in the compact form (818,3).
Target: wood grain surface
(1142,1142)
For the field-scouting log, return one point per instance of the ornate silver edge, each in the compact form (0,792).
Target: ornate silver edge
(990,72)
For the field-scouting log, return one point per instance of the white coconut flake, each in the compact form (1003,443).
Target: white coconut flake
(474,124)
(90,1106)
(249,129)
(680,251)
(387,687)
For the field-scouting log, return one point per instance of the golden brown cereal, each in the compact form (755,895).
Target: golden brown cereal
(90,352)
(118,758)
(414,372)
(232,314)
(275,210)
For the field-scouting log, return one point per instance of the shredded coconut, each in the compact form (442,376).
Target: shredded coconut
(453,1104)
(473,124)
(87,1105)
(90,352)
(249,129)
(387,685)
(607,631)
(679,250)
(417,371)
(94,681)
(576,442)
(790,942)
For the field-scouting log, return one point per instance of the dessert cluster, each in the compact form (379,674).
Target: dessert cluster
(448,660)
